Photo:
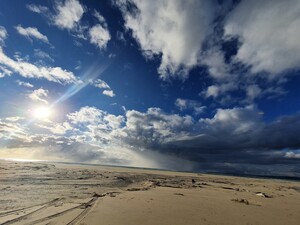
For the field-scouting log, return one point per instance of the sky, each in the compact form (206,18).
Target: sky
(197,85)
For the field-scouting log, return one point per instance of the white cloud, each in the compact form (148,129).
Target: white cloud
(212,91)
(218,89)
(234,121)
(28,70)
(42,55)
(98,143)
(293,155)
(184,104)
(181,103)
(103,85)
(37,8)
(68,14)
(100,18)
(217,68)
(3,35)
(4,72)
(114,121)
(86,115)
(100,84)
(19,57)
(39,95)
(154,127)
(253,91)
(95,124)
(25,84)
(173,29)
(56,128)
(109,93)
(79,65)
(31,32)
(14,118)
(12,130)
(99,36)
(269,33)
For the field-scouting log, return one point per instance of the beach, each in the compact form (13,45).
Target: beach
(58,193)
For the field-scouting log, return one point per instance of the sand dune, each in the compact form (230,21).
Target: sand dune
(47,193)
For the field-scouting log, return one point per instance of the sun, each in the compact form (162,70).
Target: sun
(42,112)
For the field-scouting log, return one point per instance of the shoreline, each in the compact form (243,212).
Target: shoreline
(254,176)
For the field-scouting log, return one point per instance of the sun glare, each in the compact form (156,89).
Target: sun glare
(42,113)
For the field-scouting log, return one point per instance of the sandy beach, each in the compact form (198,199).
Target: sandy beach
(55,193)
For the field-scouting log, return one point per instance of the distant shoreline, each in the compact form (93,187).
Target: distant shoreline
(256,176)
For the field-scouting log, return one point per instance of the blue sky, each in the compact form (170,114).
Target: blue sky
(200,85)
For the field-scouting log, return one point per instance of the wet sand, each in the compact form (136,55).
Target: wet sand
(54,193)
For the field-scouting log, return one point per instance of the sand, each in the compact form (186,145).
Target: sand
(55,193)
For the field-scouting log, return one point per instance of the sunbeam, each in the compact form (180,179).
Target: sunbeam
(87,78)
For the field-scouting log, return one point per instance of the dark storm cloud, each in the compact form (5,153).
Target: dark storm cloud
(233,136)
